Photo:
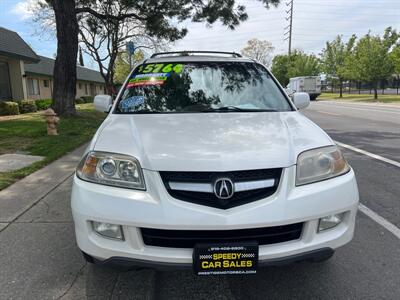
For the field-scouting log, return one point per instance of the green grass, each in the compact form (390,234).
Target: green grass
(28,134)
(361,98)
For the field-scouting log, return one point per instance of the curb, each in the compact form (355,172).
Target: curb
(373,104)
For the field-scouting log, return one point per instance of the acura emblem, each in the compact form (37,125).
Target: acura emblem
(224,188)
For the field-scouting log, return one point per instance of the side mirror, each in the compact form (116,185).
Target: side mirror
(301,100)
(102,103)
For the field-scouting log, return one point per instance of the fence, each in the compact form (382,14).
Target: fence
(390,87)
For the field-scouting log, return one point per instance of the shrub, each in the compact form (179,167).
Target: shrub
(9,108)
(79,101)
(87,99)
(43,104)
(27,106)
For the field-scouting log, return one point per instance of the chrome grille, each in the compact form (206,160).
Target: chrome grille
(198,187)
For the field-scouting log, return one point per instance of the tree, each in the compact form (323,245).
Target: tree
(105,38)
(280,65)
(67,51)
(155,17)
(122,68)
(334,57)
(302,64)
(297,64)
(372,61)
(395,57)
(259,50)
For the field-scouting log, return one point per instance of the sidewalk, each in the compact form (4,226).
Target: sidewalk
(22,195)
(39,256)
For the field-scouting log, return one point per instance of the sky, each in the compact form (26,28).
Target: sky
(314,22)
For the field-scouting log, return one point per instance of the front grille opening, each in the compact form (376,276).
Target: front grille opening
(188,238)
(209,199)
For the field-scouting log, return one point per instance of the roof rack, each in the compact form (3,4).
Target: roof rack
(187,53)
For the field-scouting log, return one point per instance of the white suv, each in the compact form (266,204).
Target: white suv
(204,162)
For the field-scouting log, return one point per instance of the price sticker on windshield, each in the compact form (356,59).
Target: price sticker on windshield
(153,74)
(160,68)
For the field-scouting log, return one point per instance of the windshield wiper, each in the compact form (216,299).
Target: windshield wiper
(231,108)
(145,111)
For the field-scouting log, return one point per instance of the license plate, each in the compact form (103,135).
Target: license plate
(222,259)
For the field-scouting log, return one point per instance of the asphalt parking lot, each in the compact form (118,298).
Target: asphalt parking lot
(40,260)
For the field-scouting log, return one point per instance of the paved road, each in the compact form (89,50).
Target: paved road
(370,127)
(39,258)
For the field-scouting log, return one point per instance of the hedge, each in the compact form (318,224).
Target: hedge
(88,99)
(27,106)
(79,101)
(43,104)
(9,108)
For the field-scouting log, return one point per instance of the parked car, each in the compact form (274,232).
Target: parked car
(307,84)
(204,162)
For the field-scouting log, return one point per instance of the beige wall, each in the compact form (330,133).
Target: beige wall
(17,81)
(81,90)
(47,92)
(84,88)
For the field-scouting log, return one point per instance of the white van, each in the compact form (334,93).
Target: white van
(306,84)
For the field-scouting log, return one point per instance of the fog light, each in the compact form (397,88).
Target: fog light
(108,230)
(330,221)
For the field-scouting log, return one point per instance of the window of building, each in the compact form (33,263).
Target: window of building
(5,86)
(92,90)
(46,83)
(86,89)
(80,85)
(33,86)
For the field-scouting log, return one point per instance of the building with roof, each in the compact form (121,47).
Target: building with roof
(26,75)
(39,80)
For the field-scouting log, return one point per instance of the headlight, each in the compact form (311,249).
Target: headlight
(111,169)
(320,164)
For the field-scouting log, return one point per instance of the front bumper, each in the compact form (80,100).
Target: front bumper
(127,264)
(154,208)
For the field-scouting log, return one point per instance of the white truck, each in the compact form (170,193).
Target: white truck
(306,84)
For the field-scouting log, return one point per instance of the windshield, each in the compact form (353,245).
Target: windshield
(201,87)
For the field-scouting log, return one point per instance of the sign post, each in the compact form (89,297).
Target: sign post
(130,49)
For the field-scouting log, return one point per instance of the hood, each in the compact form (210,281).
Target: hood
(211,141)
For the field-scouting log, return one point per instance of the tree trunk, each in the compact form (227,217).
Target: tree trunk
(375,92)
(110,88)
(341,89)
(109,83)
(111,72)
(66,61)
